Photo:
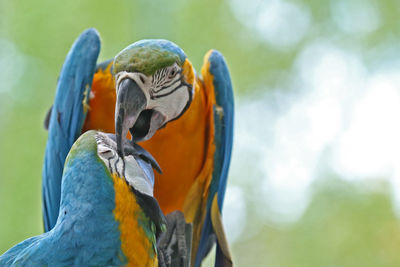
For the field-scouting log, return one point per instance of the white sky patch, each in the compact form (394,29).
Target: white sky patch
(358,17)
(329,71)
(280,136)
(234,213)
(12,65)
(268,160)
(370,147)
(280,23)
(334,116)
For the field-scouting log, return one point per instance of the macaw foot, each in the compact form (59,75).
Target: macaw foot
(174,245)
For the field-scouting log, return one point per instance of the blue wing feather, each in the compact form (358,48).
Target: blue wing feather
(223,126)
(67,118)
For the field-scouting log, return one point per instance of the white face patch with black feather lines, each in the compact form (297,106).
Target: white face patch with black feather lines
(133,173)
(166,92)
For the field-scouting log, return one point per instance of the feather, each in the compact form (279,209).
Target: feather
(67,117)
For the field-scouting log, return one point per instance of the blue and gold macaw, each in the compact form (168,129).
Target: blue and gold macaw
(149,85)
(105,218)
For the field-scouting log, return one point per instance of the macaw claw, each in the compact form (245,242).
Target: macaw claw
(174,245)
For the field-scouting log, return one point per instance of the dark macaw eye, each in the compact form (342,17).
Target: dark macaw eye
(105,151)
(172,72)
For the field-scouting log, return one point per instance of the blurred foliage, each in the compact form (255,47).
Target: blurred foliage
(343,226)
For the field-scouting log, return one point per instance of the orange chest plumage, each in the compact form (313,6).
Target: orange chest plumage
(102,102)
(138,247)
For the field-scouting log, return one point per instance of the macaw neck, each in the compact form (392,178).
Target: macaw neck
(105,208)
(86,226)
(192,130)
(135,226)
(86,186)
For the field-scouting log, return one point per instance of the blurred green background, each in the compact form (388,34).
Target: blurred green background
(315,176)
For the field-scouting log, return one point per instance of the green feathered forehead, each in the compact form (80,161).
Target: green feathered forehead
(147,56)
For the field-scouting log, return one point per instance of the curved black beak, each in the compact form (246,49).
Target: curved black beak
(131,101)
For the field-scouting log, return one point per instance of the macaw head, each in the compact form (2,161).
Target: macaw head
(98,145)
(154,82)
(128,169)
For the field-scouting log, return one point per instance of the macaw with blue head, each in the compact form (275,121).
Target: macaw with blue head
(107,214)
(150,91)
